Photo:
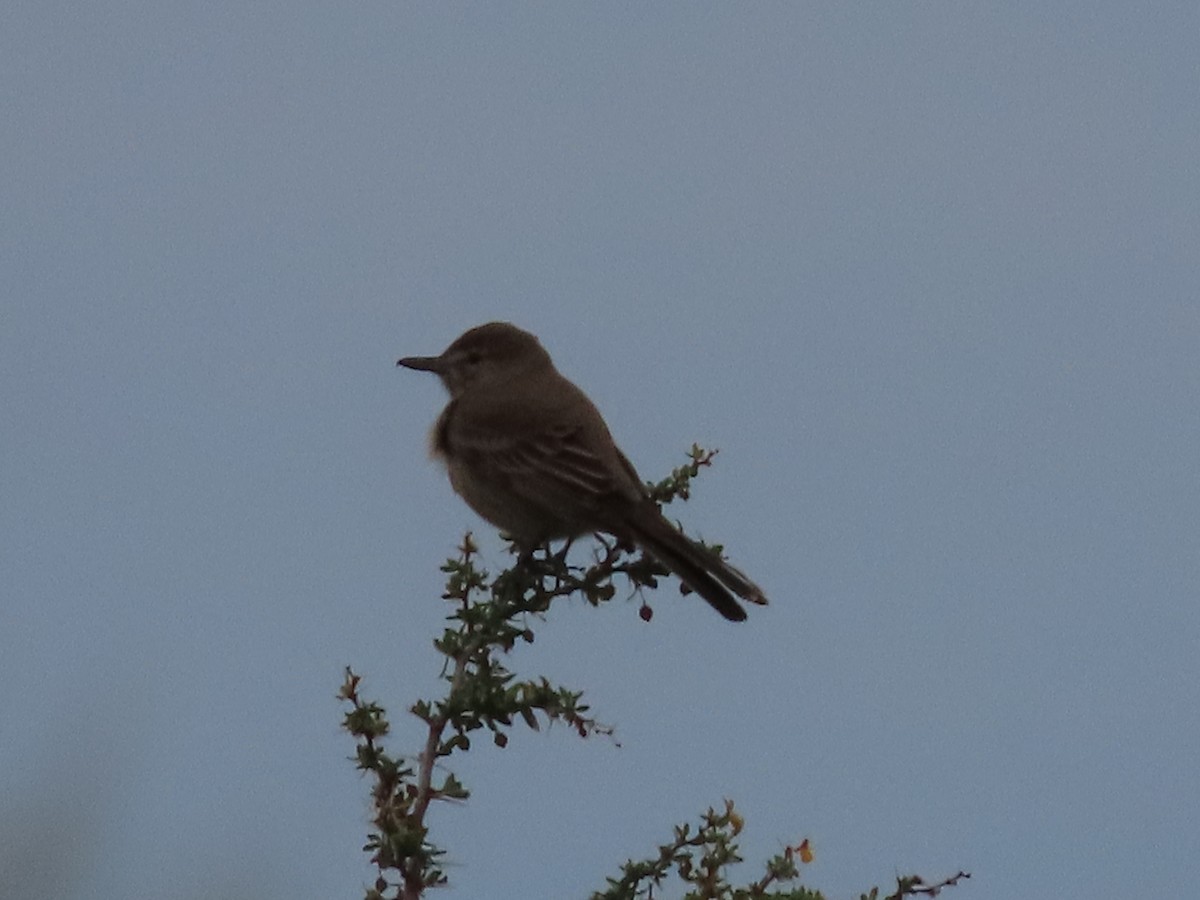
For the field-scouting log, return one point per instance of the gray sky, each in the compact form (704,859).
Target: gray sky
(926,274)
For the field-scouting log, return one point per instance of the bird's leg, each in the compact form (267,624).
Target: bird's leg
(625,545)
(561,556)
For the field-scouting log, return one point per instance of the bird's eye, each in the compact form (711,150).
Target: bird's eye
(474,357)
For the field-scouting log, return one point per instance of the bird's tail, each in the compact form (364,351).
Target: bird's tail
(699,568)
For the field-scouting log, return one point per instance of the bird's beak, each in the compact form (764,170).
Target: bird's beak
(423,363)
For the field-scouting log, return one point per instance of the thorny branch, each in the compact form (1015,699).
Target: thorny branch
(489,618)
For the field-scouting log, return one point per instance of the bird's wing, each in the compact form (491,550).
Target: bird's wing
(559,462)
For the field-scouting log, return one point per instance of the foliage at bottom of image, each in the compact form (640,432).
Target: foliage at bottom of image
(701,859)
(489,617)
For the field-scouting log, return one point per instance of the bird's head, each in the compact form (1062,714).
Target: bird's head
(487,354)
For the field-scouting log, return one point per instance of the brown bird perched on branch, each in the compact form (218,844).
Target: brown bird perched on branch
(530,453)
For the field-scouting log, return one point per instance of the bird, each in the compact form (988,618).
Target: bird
(530,453)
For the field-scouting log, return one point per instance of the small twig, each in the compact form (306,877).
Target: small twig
(913,885)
